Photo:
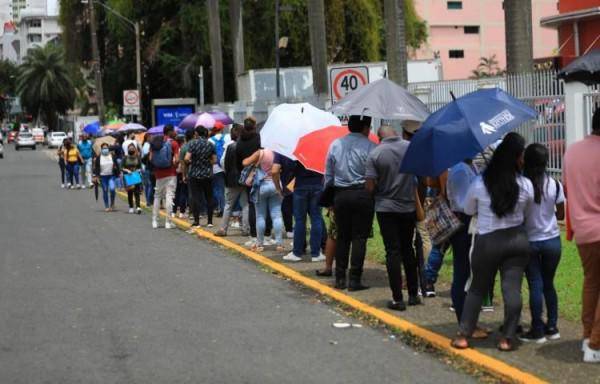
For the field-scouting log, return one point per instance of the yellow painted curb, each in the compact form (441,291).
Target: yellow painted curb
(491,365)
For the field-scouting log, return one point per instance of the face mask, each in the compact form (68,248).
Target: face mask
(105,151)
(131,153)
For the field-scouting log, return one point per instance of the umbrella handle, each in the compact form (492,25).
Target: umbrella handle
(453,97)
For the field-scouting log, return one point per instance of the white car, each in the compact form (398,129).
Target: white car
(25,139)
(55,139)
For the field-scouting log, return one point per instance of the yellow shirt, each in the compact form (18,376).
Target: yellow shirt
(72,155)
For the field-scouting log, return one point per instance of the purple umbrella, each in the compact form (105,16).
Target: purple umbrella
(221,116)
(189,122)
(158,130)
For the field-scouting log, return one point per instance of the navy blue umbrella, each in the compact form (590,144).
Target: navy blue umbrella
(93,129)
(462,129)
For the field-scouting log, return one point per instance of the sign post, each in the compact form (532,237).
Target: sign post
(347,79)
(131,102)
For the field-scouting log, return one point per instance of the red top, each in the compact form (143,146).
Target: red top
(161,173)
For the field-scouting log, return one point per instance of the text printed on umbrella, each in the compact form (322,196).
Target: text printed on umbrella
(496,122)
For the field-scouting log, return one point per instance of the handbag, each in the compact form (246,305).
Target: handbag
(249,173)
(132,179)
(440,221)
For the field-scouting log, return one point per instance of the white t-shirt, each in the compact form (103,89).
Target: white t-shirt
(106,165)
(541,223)
(478,202)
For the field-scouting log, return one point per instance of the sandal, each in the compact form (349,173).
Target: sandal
(460,342)
(480,333)
(257,248)
(504,345)
(324,273)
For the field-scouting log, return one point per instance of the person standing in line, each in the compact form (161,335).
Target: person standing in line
(396,213)
(164,156)
(582,186)
(60,152)
(72,161)
(233,190)
(353,204)
(268,198)
(106,169)
(544,237)
(133,163)
(149,180)
(200,158)
(181,191)
(86,152)
(219,140)
(500,198)
(190,135)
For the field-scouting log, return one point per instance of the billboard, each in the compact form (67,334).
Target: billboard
(172,114)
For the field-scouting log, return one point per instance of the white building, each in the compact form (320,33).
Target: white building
(20,5)
(5,12)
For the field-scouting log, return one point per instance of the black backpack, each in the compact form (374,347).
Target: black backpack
(232,175)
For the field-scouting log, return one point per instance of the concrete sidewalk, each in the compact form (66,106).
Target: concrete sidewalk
(555,361)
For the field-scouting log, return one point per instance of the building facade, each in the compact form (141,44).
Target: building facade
(463,32)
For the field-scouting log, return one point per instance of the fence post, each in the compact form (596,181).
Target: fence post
(574,112)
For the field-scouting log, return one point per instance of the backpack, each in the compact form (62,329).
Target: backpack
(232,175)
(219,145)
(162,153)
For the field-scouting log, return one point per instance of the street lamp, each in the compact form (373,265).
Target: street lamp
(135,26)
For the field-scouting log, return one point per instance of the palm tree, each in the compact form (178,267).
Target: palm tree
(488,67)
(519,43)
(395,40)
(44,85)
(318,46)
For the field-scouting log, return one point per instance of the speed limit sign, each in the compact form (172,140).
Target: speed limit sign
(347,79)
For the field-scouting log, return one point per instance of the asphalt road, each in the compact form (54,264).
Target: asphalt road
(90,297)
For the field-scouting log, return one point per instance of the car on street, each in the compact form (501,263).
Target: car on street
(11,137)
(38,135)
(25,139)
(55,139)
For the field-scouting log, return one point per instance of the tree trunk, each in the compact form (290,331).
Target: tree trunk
(395,41)
(318,46)
(519,44)
(216,52)
(237,39)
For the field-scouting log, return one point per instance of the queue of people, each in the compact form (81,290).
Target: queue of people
(507,207)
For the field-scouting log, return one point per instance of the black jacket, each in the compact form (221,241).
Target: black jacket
(245,147)
(96,170)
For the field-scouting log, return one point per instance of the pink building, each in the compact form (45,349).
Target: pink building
(461,32)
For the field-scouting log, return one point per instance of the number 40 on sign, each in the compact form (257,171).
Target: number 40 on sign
(347,79)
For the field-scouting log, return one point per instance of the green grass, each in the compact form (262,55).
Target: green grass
(568,281)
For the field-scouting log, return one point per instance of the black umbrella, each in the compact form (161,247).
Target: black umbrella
(585,69)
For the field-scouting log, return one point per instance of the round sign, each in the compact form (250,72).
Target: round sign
(348,81)
(131,98)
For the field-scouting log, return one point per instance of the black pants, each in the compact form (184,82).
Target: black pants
(201,188)
(61,165)
(181,195)
(397,230)
(134,193)
(507,250)
(354,212)
(287,211)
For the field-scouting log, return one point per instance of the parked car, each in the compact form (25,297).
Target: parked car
(38,135)
(25,139)
(55,139)
(12,135)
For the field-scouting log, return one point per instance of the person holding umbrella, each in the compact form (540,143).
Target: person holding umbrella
(353,204)
(106,169)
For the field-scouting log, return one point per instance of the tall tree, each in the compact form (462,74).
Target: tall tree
(318,46)
(44,85)
(395,41)
(519,42)
(8,82)
(216,52)
(237,37)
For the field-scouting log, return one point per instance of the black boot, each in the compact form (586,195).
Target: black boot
(355,284)
(340,279)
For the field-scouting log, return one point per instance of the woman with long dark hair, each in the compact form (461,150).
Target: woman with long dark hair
(544,237)
(500,198)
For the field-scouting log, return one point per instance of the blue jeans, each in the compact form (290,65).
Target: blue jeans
(148,187)
(461,245)
(268,199)
(540,272)
(434,263)
(108,184)
(73,173)
(218,185)
(306,201)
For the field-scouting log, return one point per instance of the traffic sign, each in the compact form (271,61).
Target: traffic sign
(347,79)
(128,111)
(131,98)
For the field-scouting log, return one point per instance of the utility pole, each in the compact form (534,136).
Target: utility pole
(395,41)
(318,46)
(237,38)
(519,42)
(97,67)
(138,65)
(216,52)
(277,52)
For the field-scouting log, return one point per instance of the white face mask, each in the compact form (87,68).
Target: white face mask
(105,151)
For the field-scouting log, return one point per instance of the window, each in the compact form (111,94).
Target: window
(471,29)
(454,4)
(456,54)
(35,23)
(35,38)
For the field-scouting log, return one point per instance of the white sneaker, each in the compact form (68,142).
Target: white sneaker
(68,185)
(138,210)
(209,225)
(591,355)
(250,242)
(154,224)
(235,224)
(79,186)
(585,344)
(289,235)
(62,186)
(321,257)
(169,225)
(181,215)
(130,210)
(291,257)
(270,241)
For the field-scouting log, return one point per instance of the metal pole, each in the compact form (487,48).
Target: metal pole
(97,69)
(138,62)
(201,84)
(277,90)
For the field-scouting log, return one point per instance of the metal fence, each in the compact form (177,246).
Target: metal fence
(591,102)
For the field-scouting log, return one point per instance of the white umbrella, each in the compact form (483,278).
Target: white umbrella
(287,123)
(132,127)
(382,99)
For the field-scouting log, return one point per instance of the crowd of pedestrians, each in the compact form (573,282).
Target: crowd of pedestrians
(506,203)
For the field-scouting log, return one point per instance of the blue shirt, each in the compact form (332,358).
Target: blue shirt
(460,178)
(85,149)
(347,160)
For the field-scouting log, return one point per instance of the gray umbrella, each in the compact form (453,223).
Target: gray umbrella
(382,99)
(585,69)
